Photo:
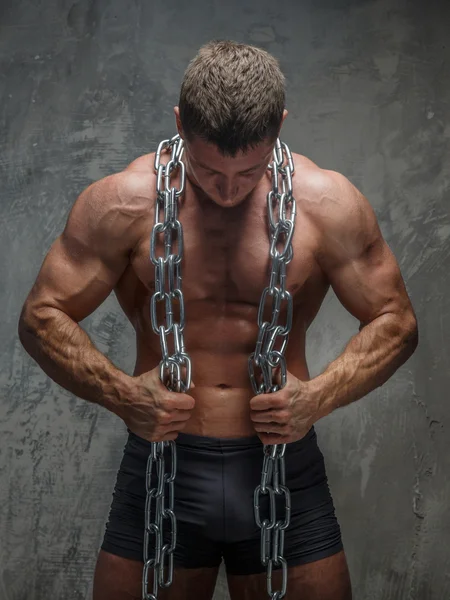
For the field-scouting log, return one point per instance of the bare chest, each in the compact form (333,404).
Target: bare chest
(226,262)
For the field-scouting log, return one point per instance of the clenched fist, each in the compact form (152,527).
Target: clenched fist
(153,412)
(287,415)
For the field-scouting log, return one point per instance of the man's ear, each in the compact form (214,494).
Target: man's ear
(285,114)
(176,110)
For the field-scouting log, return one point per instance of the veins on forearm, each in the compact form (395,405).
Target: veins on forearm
(370,358)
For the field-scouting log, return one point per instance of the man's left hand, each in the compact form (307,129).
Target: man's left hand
(287,415)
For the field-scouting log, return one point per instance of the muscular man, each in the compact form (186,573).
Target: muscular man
(230,113)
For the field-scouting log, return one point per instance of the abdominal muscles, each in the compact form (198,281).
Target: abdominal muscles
(219,343)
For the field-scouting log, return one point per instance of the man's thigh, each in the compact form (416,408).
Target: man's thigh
(118,578)
(325,579)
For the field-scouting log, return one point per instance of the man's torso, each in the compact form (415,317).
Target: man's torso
(225,268)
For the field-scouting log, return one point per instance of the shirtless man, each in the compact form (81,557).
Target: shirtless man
(219,425)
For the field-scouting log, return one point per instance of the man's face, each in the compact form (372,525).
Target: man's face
(226,181)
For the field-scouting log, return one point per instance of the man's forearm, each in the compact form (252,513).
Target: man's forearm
(368,361)
(66,354)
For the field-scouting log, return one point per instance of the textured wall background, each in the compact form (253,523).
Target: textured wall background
(88,86)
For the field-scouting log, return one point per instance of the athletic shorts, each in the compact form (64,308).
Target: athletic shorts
(214,487)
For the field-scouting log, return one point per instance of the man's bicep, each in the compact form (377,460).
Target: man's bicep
(83,265)
(357,261)
(371,284)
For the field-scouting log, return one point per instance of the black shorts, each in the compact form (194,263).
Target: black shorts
(214,486)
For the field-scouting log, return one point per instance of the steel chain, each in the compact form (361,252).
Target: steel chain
(175,365)
(267,362)
(264,363)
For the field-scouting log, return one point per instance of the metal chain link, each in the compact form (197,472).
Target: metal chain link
(268,358)
(175,365)
(268,361)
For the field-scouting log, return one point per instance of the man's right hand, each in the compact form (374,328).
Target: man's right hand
(155,413)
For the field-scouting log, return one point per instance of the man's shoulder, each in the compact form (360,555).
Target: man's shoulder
(343,217)
(312,183)
(134,185)
(327,196)
(117,205)
(144,164)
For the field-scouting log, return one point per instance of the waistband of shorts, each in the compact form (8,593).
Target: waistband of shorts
(189,439)
(218,443)
(211,443)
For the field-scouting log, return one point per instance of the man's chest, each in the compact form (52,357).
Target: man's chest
(226,255)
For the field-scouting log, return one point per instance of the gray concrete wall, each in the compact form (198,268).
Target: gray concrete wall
(88,86)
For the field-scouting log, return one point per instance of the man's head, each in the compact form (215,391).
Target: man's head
(230,112)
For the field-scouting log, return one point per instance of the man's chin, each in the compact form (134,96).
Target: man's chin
(229,202)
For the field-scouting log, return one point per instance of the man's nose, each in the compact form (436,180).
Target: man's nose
(227,188)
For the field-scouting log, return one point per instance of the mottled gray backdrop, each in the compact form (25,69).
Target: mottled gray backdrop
(88,86)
